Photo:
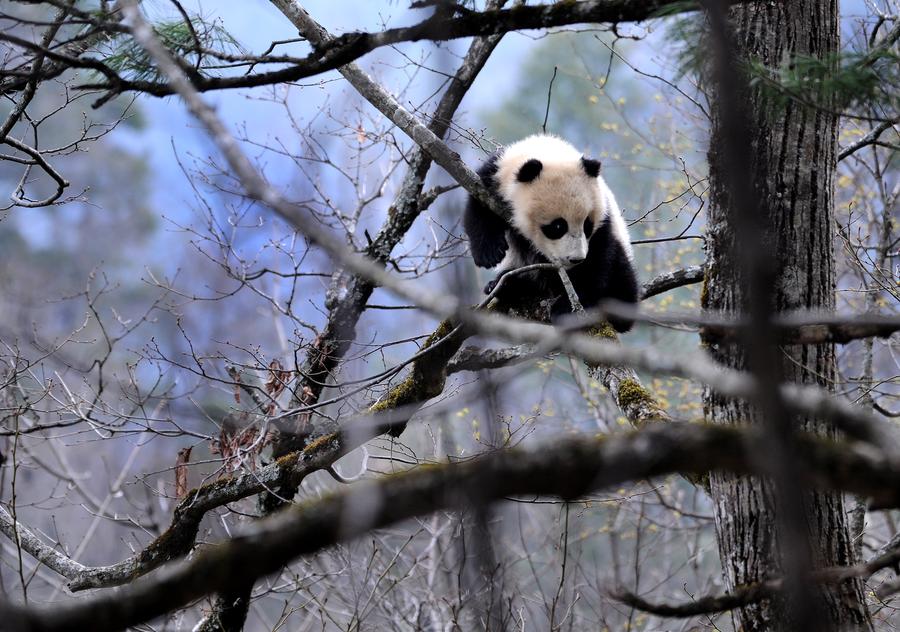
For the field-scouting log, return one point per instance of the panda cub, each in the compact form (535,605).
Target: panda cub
(560,212)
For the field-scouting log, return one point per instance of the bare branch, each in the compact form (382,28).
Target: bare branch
(472,358)
(672,280)
(567,469)
(344,49)
(797,328)
(330,346)
(871,138)
(475,359)
(809,400)
(746,595)
(426,139)
(36,547)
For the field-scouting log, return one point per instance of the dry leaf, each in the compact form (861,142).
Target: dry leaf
(275,383)
(238,443)
(236,377)
(278,377)
(181,472)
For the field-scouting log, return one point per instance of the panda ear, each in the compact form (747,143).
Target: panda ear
(529,171)
(590,166)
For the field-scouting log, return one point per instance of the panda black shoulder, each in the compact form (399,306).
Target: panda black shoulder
(486,230)
(488,170)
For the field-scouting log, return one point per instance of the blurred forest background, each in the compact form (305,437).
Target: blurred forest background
(152,311)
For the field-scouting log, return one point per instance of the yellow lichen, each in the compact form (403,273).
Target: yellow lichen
(704,291)
(633,394)
(604,330)
(287,461)
(319,442)
(442,331)
(404,393)
(414,388)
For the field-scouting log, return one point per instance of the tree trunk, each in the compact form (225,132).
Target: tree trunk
(793,155)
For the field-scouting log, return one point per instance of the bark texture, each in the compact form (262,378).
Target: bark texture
(793,153)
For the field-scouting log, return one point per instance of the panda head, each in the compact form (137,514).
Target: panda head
(554,196)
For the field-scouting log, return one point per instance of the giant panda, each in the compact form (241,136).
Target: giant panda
(560,211)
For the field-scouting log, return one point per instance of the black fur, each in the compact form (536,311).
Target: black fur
(529,171)
(486,231)
(606,273)
(590,166)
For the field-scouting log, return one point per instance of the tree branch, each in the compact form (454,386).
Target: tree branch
(746,595)
(476,359)
(426,139)
(797,328)
(330,346)
(567,469)
(35,546)
(179,538)
(344,49)
(471,358)
(872,137)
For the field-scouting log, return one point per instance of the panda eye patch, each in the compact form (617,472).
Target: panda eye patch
(555,229)
(588,227)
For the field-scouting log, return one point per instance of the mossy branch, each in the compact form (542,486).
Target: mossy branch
(428,375)
(567,469)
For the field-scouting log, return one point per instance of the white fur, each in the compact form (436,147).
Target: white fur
(617,222)
(511,260)
(562,189)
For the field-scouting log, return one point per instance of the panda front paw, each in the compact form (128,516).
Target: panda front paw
(488,253)
(491,285)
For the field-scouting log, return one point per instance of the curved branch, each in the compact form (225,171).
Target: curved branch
(178,539)
(672,280)
(35,546)
(708,604)
(789,328)
(754,593)
(426,139)
(473,358)
(344,49)
(871,138)
(568,469)
(330,347)
(61,183)
(477,359)
(802,330)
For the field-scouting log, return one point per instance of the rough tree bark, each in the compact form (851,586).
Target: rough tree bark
(793,158)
